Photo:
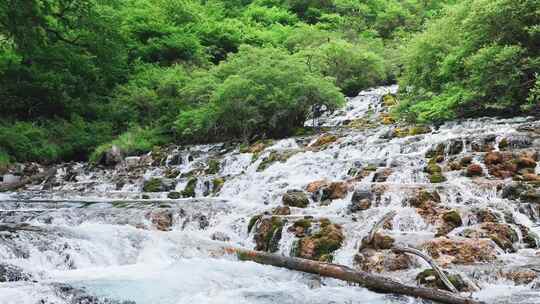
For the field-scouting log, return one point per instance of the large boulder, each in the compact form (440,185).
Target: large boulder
(320,245)
(111,157)
(502,234)
(335,190)
(447,251)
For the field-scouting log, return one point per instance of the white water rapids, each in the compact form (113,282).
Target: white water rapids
(100,240)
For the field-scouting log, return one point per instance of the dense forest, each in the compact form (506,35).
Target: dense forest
(78,76)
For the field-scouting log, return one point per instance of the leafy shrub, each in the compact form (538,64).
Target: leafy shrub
(263,91)
(479,59)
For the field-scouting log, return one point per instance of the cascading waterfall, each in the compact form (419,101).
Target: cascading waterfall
(146,230)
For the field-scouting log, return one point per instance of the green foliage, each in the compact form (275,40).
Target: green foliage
(76,74)
(478,59)
(262,91)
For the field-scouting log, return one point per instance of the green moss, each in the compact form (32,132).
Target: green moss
(389,100)
(164,206)
(213,166)
(174,195)
(152,185)
(273,157)
(217,184)
(371,167)
(145,196)
(189,190)
(304,223)
(434,171)
(453,218)
(120,204)
(437,178)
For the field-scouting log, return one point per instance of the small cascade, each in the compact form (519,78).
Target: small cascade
(146,231)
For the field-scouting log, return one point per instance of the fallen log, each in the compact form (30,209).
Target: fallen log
(373,282)
(378,225)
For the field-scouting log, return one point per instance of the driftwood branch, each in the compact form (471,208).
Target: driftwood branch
(370,281)
(440,273)
(378,225)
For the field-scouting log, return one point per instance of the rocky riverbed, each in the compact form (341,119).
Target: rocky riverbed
(143,229)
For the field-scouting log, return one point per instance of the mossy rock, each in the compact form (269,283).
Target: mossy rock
(434,171)
(120,204)
(304,223)
(321,245)
(268,233)
(273,157)
(189,190)
(217,184)
(174,195)
(213,166)
(452,217)
(158,185)
(145,196)
(295,198)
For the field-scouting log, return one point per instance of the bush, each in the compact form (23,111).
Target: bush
(262,91)
(354,66)
(479,59)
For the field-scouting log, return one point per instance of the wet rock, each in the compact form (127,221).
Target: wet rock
(275,156)
(11,273)
(501,165)
(515,141)
(377,261)
(521,276)
(334,190)
(474,170)
(485,215)
(460,251)
(268,231)
(529,238)
(176,159)
(295,198)
(161,219)
(361,200)
(74,295)
(382,175)
(483,143)
(256,147)
(316,186)
(220,236)
(455,146)
(380,242)
(324,140)
(189,190)
(429,278)
(158,185)
(111,157)
(502,234)
(285,210)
